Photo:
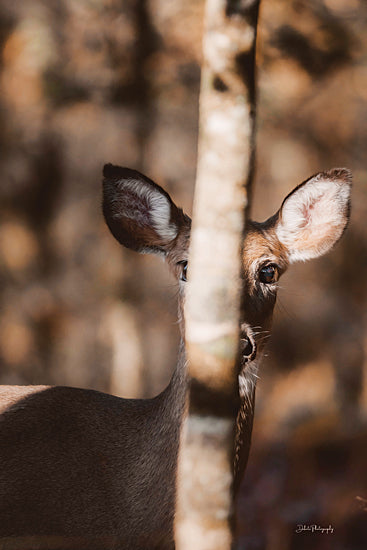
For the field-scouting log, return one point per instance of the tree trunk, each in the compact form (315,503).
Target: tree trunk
(225,163)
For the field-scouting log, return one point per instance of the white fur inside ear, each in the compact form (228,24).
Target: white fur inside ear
(314,216)
(161,214)
(159,209)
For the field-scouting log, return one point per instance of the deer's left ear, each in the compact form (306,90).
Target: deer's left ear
(313,217)
(139,213)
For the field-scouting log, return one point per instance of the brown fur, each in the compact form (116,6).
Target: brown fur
(85,470)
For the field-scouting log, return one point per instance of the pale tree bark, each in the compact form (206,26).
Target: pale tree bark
(204,518)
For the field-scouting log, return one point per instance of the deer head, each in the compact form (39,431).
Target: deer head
(311,219)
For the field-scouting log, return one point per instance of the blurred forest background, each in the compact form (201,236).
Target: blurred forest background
(84,82)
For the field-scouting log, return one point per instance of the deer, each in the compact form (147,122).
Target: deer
(83,469)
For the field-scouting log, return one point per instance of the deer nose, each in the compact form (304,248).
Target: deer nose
(248,346)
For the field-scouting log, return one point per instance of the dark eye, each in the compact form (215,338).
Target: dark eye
(184,265)
(268,274)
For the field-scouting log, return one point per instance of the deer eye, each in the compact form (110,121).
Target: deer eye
(184,266)
(268,274)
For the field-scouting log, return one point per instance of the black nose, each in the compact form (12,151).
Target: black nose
(248,347)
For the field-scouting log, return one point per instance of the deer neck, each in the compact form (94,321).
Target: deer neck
(174,396)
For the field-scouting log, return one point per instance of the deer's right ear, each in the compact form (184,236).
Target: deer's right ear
(138,212)
(313,217)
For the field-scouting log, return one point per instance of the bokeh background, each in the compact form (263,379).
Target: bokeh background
(84,82)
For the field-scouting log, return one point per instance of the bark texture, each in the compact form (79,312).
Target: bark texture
(225,164)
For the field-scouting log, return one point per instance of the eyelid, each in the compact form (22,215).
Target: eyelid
(269,263)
